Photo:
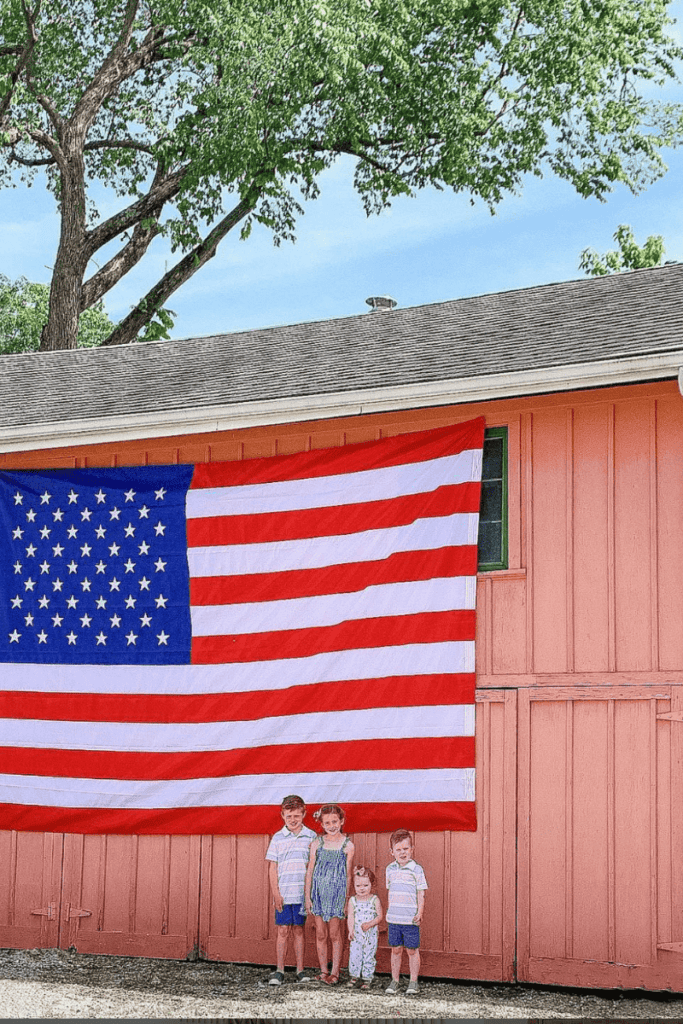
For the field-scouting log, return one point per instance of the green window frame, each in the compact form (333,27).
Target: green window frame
(493,511)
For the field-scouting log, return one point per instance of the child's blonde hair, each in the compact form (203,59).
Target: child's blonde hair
(363,872)
(329,809)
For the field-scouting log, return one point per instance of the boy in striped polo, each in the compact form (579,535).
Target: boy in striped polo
(288,859)
(406,886)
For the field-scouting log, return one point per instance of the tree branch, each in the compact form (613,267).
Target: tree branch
(119,265)
(24,54)
(128,330)
(159,193)
(119,144)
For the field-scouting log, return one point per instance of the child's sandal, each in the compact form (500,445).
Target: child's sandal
(352,983)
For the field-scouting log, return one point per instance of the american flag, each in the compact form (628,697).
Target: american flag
(181,647)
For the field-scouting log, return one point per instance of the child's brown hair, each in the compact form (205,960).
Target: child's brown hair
(292,803)
(398,836)
(329,809)
(363,872)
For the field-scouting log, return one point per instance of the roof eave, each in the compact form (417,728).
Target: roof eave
(458,391)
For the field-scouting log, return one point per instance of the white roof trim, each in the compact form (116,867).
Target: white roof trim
(602,373)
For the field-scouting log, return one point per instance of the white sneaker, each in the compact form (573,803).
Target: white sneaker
(412,989)
(392,988)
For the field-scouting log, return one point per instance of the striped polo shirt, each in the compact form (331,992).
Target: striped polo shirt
(403,884)
(290,853)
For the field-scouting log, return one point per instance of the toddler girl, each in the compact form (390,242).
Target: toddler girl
(327,886)
(365,914)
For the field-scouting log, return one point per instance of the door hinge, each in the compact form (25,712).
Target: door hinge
(71,912)
(50,911)
(672,947)
(672,716)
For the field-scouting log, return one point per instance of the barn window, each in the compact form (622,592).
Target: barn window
(493,513)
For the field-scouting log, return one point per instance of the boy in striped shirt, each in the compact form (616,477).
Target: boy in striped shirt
(406,886)
(288,859)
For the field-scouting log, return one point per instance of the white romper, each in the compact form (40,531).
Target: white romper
(363,945)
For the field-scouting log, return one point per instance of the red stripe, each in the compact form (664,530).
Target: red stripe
(426,628)
(420,446)
(401,567)
(367,755)
(337,520)
(427,817)
(396,691)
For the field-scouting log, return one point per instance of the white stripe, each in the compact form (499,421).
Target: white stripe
(396,786)
(317,552)
(325,491)
(335,666)
(387,599)
(327,726)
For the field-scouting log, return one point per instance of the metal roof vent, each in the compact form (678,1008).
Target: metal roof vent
(381,302)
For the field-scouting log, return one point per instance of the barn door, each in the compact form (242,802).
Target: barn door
(30,883)
(130,895)
(601,836)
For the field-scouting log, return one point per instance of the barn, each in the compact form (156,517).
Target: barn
(575,873)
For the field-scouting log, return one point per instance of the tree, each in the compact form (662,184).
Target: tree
(206,115)
(24,308)
(630,256)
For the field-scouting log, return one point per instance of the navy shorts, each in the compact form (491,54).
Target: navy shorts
(407,935)
(291,913)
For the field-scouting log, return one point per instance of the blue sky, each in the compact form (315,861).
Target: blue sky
(427,249)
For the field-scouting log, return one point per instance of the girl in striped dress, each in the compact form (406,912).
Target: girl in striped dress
(328,881)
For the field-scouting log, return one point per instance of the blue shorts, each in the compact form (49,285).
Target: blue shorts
(291,913)
(407,935)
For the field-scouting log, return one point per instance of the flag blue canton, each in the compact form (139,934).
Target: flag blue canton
(93,566)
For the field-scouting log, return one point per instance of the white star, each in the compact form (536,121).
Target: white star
(44,567)
(85,583)
(101,638)
(144,548)
(115,621)
(31,516)
(18,499)
(45,498)
(145,620)
(129,565)
(17,567)
(29,584)
(42,637)
(86,620)
(162,638)
(14,637)
(114,549)
(100,532)
(57,550)
(17,601)
(100,566)
(58,515)
(28,619)
(114,583)
(161,601)
(43,601)
(159,528)
(57,619)
(57,584)
(72,601)
(30,551)
(17,534)
(160,565)
(129,530)
(86,514)
(130,601)
(71,637)
(144,583)
(85,550)
(115,513)
(101,602)
(131,638)
(143,512)
(45,532)
(101,496)
(159,495)
(73,497)
(72,566)
(71,532)
(130,495)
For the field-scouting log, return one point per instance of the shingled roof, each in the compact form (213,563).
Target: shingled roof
(530,334)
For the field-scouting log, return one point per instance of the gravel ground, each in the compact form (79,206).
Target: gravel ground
(56,983)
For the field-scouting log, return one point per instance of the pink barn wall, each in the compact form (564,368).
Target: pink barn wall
(575,873)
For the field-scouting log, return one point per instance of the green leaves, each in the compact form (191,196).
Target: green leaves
(24,309)
(629,257)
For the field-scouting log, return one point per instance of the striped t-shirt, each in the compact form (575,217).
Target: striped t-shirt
(403,884)
(290,853)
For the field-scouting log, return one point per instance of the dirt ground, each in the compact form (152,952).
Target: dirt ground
(57,983)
